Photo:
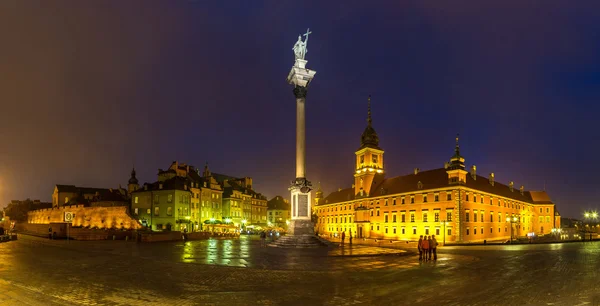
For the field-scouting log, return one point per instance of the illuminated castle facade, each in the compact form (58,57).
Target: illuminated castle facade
(452,203)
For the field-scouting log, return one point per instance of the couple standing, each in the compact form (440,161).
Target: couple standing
(427,246)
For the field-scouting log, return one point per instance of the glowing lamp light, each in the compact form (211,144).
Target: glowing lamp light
(227,220)
(507,219)
(212,219)
(287,222)
(244,221)
(187,217)
(587,215)
(595,215)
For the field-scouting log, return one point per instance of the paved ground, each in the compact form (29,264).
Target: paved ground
(35,271)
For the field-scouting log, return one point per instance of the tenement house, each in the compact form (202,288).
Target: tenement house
(450,202)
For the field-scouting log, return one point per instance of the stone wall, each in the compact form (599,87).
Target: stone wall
(91,217)
(77,233)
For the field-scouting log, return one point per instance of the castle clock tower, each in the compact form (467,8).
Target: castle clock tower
(369,160)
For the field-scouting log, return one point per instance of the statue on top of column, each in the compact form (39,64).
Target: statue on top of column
(300,49)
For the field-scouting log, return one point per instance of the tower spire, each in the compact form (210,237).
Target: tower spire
(457,149)
(369,111)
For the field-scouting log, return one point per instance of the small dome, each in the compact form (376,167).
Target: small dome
(369,138)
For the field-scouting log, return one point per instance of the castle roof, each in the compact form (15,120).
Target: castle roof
(437,179)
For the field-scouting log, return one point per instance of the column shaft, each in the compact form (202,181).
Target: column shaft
(300,138)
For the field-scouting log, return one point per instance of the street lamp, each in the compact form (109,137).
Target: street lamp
(512,221)
(589,217)
(444,223)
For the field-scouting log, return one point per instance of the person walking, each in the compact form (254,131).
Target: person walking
(350,237)
(420,247)
(50,233)
(343,236)
(433,245)
(425,247)
(263,239)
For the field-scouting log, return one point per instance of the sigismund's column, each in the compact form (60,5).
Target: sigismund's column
(300,77)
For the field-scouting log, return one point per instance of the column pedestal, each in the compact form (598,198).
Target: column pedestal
(301,208)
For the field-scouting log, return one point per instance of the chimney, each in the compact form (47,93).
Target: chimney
(176,165)
(446,165)
(511,185)
(474,172)
(145,187)
(159,186)
(416,171)
(522,189)
(187,168)
(339,189)
(491,178)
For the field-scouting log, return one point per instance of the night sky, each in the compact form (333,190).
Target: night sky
(89,88)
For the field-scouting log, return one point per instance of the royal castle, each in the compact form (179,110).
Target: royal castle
(452,203)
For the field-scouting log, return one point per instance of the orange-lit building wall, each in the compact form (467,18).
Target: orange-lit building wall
(407,216)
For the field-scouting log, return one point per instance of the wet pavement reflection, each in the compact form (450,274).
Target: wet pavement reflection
(35,271)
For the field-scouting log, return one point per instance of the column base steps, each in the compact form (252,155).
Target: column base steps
(301,242)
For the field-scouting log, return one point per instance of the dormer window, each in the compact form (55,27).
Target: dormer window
(420,185)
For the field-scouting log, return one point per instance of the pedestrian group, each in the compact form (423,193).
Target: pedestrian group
(427,246)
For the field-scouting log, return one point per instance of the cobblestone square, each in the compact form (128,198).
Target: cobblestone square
(36,271)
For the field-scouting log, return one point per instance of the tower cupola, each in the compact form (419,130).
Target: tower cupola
(369,138)
(456,168)
(133,182)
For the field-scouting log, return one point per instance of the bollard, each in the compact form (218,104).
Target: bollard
(126,238)
(114,237)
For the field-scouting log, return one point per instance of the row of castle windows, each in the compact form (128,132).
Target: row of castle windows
(436,198)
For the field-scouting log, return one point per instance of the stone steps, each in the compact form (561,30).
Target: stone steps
(300,241)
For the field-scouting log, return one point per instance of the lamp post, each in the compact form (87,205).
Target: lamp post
(590,216)
(512,221)
(444,223)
